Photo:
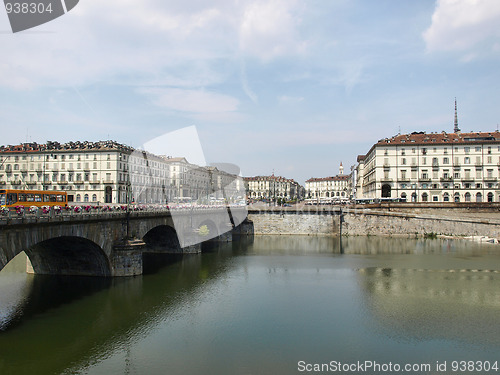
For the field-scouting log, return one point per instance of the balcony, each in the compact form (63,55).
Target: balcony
(404,179)
(31,183)
(467,178)
(95,182)
(62,182)
(424,178)
(107,182)
(386,179)
(490,178)
(79,182)
(446,178)
(16,182)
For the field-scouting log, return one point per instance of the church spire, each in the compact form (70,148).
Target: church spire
(456,129)
(341,169)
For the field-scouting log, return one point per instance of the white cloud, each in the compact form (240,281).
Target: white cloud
(197,101)
(141,40)
(269,29)
(461,25)
(285,99)
(246,86)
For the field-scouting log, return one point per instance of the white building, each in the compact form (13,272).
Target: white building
(357,177)
(329,189)
(272,188)
(88,171)
(435,167)
(108,172)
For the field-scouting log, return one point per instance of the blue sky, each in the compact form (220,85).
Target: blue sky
(294,86)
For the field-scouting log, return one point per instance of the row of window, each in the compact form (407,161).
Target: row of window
(435,161)
(466,149)
(55,156)
(446,175)
(327,194)
(457,197)
(55,166)
(62,177)
(278,194)
(489,185)
(86,198)
(340,183)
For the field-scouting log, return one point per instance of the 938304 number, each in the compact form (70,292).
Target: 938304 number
(25,8)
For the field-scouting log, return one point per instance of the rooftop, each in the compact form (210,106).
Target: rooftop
(342,177)
(56,146)
(269,178)
(422,138)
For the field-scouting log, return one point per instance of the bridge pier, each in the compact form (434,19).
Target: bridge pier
(245,228)
(192,249)
(126,258)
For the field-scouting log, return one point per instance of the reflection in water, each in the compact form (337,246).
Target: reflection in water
(70,319)
(400,245)
(15,287)
(371,245)
(259,307)
(458,304)
(297,245)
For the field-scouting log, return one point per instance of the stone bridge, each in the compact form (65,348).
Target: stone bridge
(111,243)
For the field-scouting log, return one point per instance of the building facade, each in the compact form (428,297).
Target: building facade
(433,167)
(109,172)
(357,177)
(331,189)
(272,188)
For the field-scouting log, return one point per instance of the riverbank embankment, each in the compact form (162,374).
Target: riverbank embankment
(377,221)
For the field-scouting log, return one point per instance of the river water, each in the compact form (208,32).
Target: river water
(277,305)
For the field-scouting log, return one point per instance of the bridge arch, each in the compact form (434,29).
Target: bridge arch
(69,255)
(162,238)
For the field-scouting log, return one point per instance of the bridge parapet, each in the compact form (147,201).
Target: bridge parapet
(12,217)
(94,239)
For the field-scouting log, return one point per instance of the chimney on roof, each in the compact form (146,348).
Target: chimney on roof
(455,128)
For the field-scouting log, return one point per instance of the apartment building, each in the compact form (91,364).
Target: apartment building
(329,189)
(432,167)
(272,187)
(109,172)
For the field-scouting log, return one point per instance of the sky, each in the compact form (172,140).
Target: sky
(292,87)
